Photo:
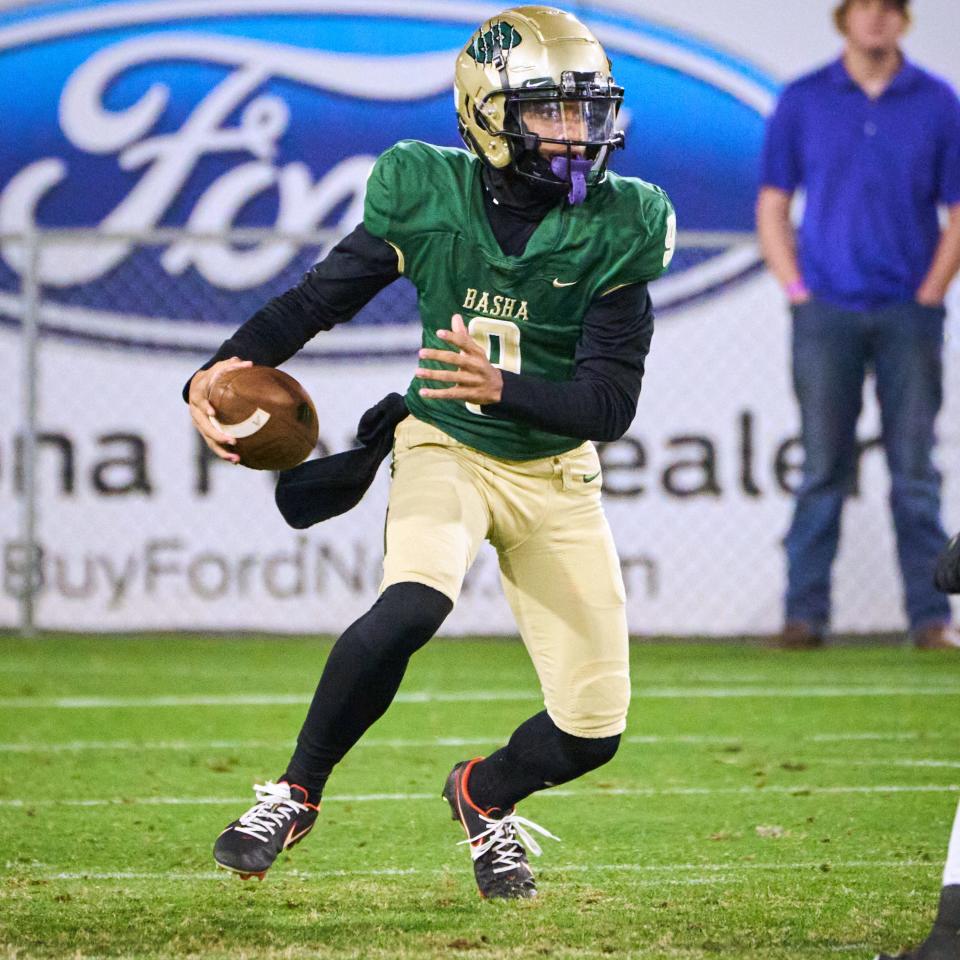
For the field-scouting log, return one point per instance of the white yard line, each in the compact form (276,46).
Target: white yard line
(843,737)
(803,693)
(79,746)
(927,762)
(474,696)
(718,872)
(800,790)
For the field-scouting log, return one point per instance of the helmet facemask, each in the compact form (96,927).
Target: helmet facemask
(564,133)
(534,95)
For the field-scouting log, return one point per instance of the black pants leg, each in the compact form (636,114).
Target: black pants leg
(538,755)
(361,678)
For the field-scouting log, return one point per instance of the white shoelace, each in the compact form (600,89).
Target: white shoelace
(504,836)
(274,809)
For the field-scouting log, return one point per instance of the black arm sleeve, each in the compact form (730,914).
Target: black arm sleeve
(331,292)
(600,402)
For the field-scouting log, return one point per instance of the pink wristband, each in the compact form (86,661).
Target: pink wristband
(797,288)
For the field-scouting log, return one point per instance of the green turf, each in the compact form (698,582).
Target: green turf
(762,806)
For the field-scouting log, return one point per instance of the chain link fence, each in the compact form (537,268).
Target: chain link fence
(113,516)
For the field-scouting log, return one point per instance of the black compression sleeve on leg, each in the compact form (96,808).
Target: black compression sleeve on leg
(538,755)
(943,943)
(949,913)
(361,677)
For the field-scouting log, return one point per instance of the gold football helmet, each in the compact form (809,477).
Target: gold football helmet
(534,91)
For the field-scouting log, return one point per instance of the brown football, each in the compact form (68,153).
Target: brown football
(270,414)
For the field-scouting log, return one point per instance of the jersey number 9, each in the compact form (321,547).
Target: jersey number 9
(500,340)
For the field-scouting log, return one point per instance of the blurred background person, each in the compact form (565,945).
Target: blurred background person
(874,142)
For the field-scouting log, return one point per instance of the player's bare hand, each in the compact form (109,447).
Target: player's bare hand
(473,379)
(201,410)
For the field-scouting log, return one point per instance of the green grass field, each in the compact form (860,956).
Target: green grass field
(763,805)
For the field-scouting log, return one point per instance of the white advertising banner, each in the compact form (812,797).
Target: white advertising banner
(139,529)
(696,494)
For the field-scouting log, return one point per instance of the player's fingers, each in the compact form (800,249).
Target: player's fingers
(448,393)
(448,376)
(227,455)
(218,436)
(208,430)
(204,381)
(442,356)
(461,334)
(199,393)
(445,376)
(232,363)
(458,335)
(220,451)
(474,362)
(222,366)
(464,394)
(464,342)
(197,396)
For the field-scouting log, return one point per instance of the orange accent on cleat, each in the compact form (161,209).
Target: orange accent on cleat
(294,837)
(306,793)
(464,777)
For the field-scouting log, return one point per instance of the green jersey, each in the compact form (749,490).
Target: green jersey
(526,311)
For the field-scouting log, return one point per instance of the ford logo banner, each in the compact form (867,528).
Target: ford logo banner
(211,115)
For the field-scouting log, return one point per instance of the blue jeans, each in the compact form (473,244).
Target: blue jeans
(832,350)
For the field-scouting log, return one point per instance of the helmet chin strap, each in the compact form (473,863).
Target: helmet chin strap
(572,170)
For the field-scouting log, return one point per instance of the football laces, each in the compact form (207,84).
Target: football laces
(504,837)
(275,808)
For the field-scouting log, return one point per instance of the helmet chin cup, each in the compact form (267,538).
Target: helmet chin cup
(572,170)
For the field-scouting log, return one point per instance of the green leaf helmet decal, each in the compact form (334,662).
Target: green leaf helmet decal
(483,46)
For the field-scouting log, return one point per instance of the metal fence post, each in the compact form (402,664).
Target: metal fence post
(30,286)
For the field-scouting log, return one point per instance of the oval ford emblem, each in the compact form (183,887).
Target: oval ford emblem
(212,115)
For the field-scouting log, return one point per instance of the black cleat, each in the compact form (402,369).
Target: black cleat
(280,818)
(942,944)
(499,860)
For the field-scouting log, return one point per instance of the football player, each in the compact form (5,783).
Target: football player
(531,263)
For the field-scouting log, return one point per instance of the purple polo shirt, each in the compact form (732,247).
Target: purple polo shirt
(874,172)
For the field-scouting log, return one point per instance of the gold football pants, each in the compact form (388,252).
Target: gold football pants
(558,563)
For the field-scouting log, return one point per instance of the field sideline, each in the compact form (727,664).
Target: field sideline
(762,805)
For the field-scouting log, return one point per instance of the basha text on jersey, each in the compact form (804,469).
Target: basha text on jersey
(480,301)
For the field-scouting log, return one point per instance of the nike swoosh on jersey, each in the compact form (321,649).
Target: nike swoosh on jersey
(557,282)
